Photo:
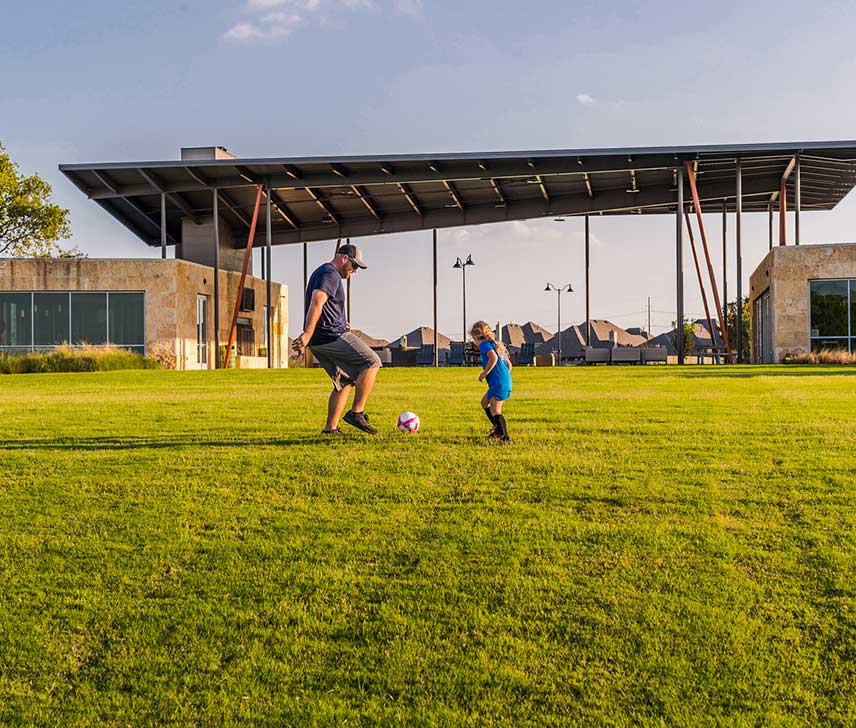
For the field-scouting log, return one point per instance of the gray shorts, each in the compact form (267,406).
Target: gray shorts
(344,359)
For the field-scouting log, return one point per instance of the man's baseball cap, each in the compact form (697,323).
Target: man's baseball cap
(354,253)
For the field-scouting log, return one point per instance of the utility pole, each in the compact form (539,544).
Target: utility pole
(649,317)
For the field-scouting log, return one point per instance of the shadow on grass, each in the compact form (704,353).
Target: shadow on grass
(154,443)
(313,438)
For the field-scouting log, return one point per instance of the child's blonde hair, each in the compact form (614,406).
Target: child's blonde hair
(481,330)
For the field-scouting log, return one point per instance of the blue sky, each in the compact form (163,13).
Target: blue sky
(98,81)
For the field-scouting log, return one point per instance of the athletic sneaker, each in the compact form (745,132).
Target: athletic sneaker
(360,420)
(335,432)
(494,435)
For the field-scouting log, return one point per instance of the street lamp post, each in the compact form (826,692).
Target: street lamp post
(559,291)
(463,266)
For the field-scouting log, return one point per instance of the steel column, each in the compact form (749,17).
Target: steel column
(588,312)
(679,266)
(783,209)
(770,223)
(797,200)
(216,282)
(724,259)
(163,225)
(559,324)
(269,312)
(723,330)
(248,254)
(698,274)
(348,294)
(739,317)
(305,284)
(436,335)
(305,277)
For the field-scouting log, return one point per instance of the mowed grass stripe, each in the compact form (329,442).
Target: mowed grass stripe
(660,546)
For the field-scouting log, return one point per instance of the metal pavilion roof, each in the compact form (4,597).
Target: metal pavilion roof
(322,198)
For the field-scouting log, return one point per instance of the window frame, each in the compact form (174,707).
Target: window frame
(849,337)
(33,347)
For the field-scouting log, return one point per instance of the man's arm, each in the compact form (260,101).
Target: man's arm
(316,304)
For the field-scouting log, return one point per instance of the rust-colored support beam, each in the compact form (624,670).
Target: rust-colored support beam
(247,257)
(723,329)
(783,209)
(700,281)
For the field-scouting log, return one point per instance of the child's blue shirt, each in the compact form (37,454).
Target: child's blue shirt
(499,378)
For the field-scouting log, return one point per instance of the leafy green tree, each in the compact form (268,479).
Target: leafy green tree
(731,323)
(30,226)
(687,342)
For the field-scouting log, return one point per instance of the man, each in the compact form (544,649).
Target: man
(327,333)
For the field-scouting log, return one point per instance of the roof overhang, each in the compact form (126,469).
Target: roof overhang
(323,198)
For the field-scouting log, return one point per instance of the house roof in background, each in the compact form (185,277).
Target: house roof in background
(420,336)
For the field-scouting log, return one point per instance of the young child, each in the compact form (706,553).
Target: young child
(496,369)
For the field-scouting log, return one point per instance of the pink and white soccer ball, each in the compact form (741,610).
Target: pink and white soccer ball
(408,422)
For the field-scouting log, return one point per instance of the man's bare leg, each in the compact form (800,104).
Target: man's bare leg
(365,382)
(336,405)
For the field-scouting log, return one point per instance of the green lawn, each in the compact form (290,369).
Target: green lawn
(658,547)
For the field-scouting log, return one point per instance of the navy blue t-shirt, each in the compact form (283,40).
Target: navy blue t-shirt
(332,323)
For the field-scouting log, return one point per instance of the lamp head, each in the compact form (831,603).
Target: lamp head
(469,260)
(458,264)
(549,287)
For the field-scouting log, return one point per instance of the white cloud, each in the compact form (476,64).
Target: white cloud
(266,4)
(279,23)
(271,25)
(585,99)
(243,32)
(278,18)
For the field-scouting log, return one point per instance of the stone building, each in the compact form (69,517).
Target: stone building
(803,298)
(161,308)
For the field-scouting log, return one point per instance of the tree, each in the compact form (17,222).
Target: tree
(731,323)
(689,331)
(30,226)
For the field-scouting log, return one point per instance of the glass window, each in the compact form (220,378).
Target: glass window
(853,307)
(16,327)
(88,318)
(829,314)
(127,319)
(50,318)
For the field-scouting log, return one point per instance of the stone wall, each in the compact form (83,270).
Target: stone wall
(171,287)
(786,271)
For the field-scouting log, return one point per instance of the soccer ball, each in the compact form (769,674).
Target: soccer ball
(408,422)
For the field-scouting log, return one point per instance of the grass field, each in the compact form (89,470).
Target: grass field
(658,547)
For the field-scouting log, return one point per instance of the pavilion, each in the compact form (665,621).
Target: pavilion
(166,203)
